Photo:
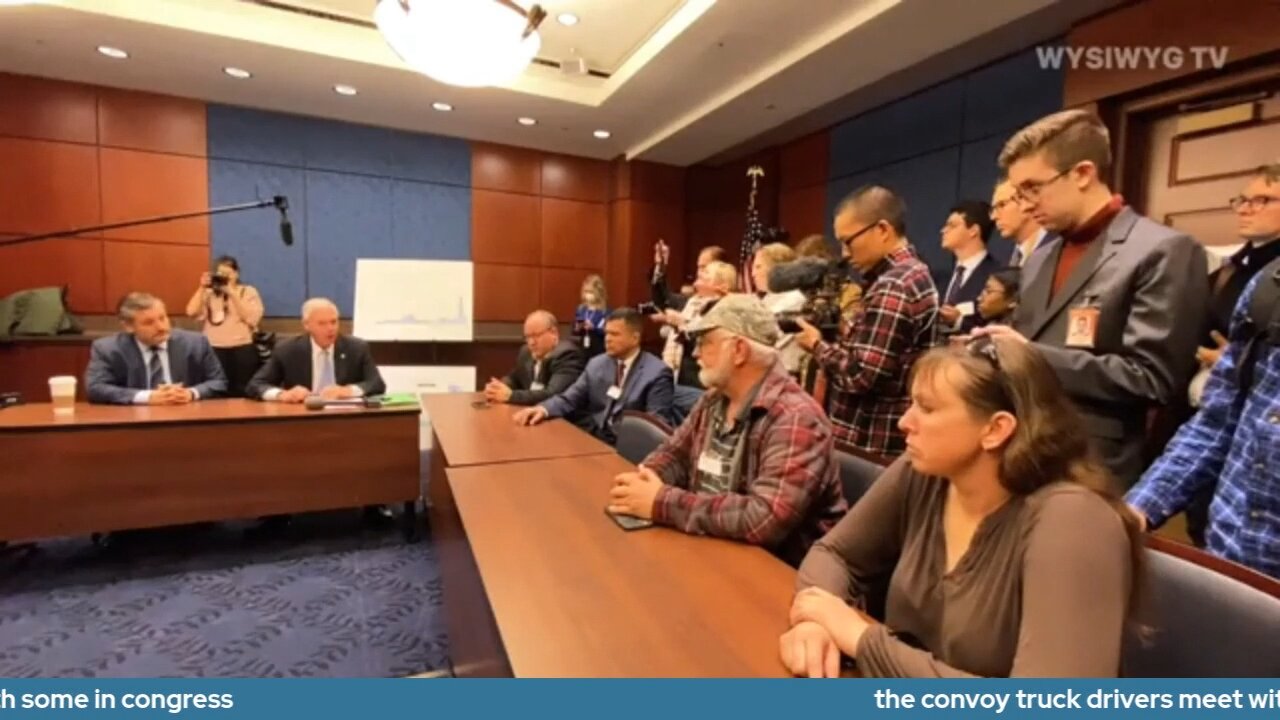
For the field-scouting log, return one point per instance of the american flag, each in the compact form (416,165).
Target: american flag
(754,236)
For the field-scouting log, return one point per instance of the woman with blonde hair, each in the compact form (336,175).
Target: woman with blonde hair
(1007,555)
(781,304)
(588,319)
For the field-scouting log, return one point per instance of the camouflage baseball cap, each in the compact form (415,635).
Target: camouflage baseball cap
(741,314)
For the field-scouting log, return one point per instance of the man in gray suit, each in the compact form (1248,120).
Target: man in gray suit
(1114,300)
(624,378)
(150,363)
(546,365)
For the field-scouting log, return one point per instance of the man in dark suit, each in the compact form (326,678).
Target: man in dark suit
(546,365)
(965,235)
(150,363)
(624,378)
(1114,300)
(321,362)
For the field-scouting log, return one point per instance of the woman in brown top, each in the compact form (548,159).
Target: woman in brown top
(1004,554)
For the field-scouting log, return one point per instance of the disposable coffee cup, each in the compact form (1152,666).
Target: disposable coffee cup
(62,391)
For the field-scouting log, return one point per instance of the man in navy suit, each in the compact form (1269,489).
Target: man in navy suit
(150,363)
(965,235)
(319,362)
(624,378)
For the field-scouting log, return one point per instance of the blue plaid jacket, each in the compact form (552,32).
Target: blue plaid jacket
(1240,451)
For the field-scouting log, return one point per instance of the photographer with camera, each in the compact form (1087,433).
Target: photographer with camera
(230,313)
(868,366)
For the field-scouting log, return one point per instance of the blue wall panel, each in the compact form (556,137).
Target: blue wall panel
(1004,96)
(356,191)
(253,236)
(939,146)
(430,222)
(928,120)
(348,217)
(236,133)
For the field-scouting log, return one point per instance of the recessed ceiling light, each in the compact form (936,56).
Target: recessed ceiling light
(442,106)
(567,19)
(344,89)
(113,52)
(602,134)
(527,121)
(238,73)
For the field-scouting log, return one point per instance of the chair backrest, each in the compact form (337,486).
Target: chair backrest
(639,434)
(858,470)
(1208,618)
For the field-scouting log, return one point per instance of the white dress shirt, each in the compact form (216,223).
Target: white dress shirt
(317,369)
(1025,249)
(144,396)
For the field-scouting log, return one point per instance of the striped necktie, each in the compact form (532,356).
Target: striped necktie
(156,372)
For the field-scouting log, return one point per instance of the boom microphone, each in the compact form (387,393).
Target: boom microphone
(803,274)
(286,228)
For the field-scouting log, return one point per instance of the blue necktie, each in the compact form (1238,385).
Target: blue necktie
(957,282)
(156,377)
(326,370)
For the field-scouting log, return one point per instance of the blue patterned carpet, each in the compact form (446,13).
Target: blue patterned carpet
(331,599)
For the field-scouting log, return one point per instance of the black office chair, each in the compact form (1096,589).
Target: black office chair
(639,434)
(1207,617)
(858,470)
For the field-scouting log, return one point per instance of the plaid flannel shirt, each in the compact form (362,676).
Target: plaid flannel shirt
(869,367)
(1236,448)
(788,494)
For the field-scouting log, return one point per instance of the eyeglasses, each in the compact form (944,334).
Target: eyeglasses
(1029,191)
(1255,203)
(996,206)
(848,239)
(984,347)
(537,335)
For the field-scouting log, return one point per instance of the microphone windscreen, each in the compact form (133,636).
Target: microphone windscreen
(801,274)
(286,232)
(314,402)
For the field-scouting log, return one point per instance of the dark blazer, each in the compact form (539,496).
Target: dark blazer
(559,370)
(648,387)
(117,370)
(971,288)
(290,365)
(1151,285)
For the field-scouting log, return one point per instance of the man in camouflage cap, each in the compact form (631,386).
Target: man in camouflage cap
(753,462)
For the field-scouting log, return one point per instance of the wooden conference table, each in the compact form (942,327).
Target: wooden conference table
(539,582)
(130,467)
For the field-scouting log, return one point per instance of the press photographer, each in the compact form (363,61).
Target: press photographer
(230,313)
(867,367)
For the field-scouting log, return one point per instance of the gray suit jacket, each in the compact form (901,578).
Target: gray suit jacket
(559,370)
(117,370)
(649,386)
(290,365)
(1151,284)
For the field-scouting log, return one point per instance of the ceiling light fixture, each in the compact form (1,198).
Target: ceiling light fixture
(602,134)
(567,19)
(442,106)
(237,73)
(113,52)
(344,90)
(527,121)
(468,43)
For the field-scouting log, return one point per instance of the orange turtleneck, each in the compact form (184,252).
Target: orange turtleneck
(1076,241)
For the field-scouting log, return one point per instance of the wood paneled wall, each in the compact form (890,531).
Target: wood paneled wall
(539,225)
(647,202)
(1247,28)
(74,155)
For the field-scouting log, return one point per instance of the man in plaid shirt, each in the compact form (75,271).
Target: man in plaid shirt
(753,462)
(1230,445)
(869,367)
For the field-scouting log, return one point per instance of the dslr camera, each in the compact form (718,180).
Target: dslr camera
(823,283)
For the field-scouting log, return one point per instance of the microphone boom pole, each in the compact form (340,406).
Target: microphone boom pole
(279,202)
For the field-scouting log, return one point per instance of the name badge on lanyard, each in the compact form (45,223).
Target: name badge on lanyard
(1082,325)
(614,392)
(709,464)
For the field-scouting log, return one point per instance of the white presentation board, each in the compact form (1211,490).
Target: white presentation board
(423,379)
(413,300)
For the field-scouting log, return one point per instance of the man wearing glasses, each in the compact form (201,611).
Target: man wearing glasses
(1015,225)
(1114,300)
(869,366)
(546,365)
